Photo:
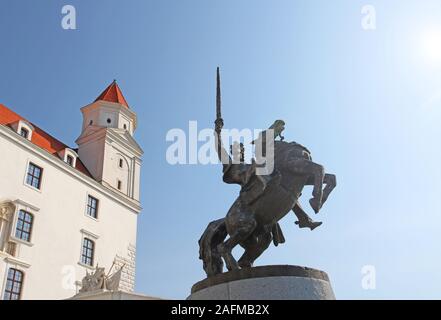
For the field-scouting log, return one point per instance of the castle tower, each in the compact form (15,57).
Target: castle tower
(106,145)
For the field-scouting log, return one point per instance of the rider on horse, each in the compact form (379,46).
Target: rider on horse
(236,171)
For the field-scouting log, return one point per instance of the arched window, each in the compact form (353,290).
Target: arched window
(70,160)
(14,283)
(24,132)
(69,156)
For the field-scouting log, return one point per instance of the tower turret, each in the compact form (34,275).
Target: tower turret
(106,145)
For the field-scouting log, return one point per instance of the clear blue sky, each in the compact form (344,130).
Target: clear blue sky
(366,103)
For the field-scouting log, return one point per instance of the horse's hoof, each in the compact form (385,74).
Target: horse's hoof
(245,264)
(315,205)
(233,266)
(315,225)
(308,224)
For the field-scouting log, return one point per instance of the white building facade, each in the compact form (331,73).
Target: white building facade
(64,210)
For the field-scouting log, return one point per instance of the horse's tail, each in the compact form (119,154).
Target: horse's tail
(214,234)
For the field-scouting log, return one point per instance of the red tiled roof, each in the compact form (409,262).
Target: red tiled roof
(113,94)
(39,137)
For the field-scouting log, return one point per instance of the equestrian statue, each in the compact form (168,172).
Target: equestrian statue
(264,199)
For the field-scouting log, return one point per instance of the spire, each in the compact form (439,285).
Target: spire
(113,94)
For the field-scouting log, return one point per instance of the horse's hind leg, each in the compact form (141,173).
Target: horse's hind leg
(243,230)
(253,249)
(307,167)
(330,182)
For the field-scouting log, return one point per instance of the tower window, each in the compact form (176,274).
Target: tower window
(24,226)
(90,122)
(88,252)
(34,176)
(121,163)
(109,121)
(14,283)
(92,207)
(119,184)
(125,127)
(24,133)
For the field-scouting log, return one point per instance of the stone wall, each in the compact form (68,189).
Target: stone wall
(127,282)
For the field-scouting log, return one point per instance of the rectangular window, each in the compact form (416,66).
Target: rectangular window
(87,252)
(14,283)
(119,185)
(92,207)
(70,160)
(34,176)
(24,226)
(24,133)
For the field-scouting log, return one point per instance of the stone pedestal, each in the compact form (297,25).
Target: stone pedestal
(280,282)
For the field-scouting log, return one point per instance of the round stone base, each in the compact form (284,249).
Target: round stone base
(281,282)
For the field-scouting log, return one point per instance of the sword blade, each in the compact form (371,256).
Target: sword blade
(218,96)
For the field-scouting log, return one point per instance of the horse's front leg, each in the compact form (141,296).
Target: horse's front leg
(243,228)
(254,248)
(304,221)
(309,168)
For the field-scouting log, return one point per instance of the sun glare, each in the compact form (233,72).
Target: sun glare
(431,45)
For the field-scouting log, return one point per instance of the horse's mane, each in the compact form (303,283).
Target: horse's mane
(301,146)
(294,144)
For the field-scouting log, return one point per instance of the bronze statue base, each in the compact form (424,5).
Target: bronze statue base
(278,282)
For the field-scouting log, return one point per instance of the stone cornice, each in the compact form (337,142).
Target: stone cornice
(132,145)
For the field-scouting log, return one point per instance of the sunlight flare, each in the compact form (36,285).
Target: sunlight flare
(431,45)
